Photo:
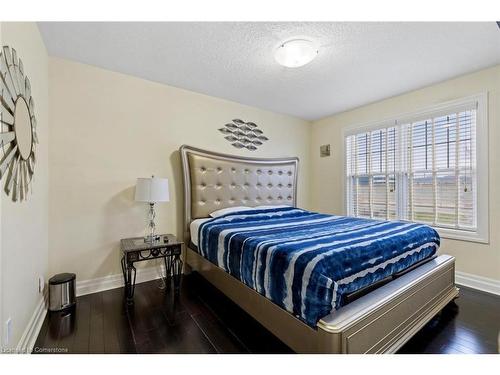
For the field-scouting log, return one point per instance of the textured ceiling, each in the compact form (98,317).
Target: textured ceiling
(358,63)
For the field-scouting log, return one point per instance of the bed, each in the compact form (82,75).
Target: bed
(321,283)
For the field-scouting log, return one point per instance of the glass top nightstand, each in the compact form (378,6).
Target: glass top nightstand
(135,249)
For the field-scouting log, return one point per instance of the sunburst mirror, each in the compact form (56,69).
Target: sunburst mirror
(18,126)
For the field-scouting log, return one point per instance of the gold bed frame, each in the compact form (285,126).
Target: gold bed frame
(379,322)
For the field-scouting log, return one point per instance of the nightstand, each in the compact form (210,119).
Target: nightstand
(136,250)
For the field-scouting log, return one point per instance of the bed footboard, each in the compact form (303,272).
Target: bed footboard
(383,320)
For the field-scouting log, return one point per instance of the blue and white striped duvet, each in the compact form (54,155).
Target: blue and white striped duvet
(307,262)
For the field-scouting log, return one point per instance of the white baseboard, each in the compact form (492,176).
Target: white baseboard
(116,281)
(30,334)
(478,282)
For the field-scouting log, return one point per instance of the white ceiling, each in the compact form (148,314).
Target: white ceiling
(358,63)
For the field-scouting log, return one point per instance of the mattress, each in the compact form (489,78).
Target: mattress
(309,263)
(193,229)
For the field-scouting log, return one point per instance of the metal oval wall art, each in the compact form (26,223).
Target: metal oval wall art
(18,136)
(243,134)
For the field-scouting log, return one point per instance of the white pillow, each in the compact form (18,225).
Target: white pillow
(229,210)
(271,207)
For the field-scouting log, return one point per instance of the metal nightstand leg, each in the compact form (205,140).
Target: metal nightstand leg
(168,272)
(177,269)
(129,276)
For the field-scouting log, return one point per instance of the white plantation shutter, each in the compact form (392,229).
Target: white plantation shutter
(422,170)
(371,167)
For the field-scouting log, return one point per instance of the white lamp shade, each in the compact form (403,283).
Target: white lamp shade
(152,190)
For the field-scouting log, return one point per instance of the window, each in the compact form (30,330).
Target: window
(422,168)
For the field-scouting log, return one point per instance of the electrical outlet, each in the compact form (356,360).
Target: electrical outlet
(41,284)
(8,332)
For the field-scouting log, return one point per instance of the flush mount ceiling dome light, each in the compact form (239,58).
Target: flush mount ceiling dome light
(296,52)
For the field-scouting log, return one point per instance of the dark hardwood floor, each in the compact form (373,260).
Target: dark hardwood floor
(203,320)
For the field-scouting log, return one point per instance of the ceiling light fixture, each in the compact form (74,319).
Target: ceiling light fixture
(296,52)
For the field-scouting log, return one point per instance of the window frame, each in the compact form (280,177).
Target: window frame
(481,235)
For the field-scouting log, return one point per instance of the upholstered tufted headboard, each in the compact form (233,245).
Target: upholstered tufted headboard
(213,181)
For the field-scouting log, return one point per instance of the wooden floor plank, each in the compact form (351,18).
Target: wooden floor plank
(96,335)
(121,321)
(40,340)
(110,312)
(82,327)
(223,340)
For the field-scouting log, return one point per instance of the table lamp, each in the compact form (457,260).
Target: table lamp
(152,190)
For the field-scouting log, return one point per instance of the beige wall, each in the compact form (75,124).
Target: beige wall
(106,130)
(24,225)
(326,173)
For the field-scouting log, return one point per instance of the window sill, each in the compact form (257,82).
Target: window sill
(461,235)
